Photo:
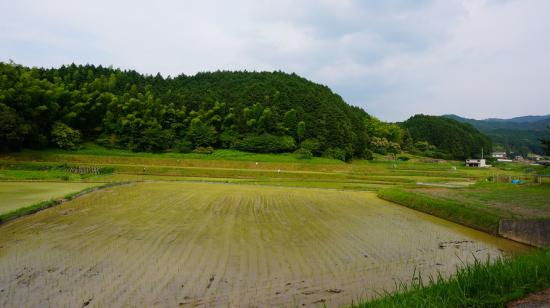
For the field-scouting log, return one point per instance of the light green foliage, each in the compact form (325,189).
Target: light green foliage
(201,134)
(65,137)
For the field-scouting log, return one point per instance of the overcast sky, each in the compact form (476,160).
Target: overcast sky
(393,58)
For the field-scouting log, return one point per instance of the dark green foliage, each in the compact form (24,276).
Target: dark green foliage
(335,153)
(514,133)
(127,110)
(183,146)
(313,145)
(266,143)
(153,139)
(546,143)
(65,137)
(12,129)
(201,134)
(302,153)
(301,130)
(455,139)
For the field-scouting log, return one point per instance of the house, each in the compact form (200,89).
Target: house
(504,160)
(535,157)
(499,155)
(477,163)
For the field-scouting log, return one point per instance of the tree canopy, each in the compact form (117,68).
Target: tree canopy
(451,138)
(252,111)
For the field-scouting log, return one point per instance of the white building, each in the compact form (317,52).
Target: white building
(477,163)
(501,155)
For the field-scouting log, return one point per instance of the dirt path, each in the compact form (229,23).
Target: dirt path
(536,300)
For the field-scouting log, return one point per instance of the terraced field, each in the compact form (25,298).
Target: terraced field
(170,244)
(14,195)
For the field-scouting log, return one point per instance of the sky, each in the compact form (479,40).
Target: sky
(394,58)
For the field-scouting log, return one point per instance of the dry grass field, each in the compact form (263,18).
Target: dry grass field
(169,244)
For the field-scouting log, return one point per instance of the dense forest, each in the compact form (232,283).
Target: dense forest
(519,135)
(450,138)
(250,111)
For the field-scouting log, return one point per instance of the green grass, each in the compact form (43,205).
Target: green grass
(19,211)
(481,284)
(221,154)
(525,200)
(470,214)
(14,195)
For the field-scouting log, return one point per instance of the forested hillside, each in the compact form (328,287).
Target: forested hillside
(520,135)
(250,111)
(459,140)
(253,111)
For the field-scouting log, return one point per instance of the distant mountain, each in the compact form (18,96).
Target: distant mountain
(524,119)
(514,134)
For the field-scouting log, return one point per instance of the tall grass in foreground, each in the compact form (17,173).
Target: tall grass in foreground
(481,284)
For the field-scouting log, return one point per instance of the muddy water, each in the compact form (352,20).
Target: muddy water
(170,244)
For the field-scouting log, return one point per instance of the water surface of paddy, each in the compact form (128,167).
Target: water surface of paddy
(191,244)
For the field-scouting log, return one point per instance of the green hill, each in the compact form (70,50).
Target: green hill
(459,140)
(253,111)
(514,134)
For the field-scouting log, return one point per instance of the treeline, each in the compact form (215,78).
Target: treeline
(250,111)
(447,138)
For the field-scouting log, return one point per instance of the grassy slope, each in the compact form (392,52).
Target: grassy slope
(481,206)
(36,207)
(14,195)
(482,284)
(472,214)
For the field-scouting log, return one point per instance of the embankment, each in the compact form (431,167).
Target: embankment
(534,232)
(465,214)
(31,209)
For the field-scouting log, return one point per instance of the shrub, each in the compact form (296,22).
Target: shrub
(154,140)
(335,153)
(12,129)
(302,153)
(204,150)
(313,145)
(183,146)
(65,137)
(266,143)
(367,154)
(228,138)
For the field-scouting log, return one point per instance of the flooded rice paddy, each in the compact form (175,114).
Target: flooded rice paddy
(170,244)
(14,195)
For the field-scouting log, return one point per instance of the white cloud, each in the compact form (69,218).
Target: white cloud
(395,58)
